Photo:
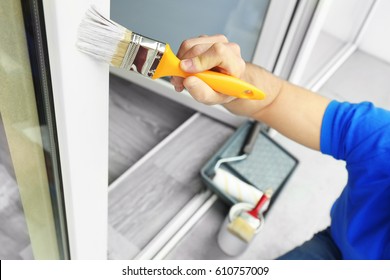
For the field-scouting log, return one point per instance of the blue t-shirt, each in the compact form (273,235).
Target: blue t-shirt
(360,135)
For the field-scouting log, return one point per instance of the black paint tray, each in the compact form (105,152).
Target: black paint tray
(268,166)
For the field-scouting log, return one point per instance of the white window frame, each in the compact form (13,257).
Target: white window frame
(80,89)
(351,44)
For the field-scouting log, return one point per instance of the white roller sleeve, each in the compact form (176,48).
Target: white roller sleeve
(236,188)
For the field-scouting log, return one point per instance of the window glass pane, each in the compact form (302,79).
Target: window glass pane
(173,21)
(31,213)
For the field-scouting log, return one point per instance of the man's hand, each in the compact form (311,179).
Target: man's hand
(295,112)
(204,53)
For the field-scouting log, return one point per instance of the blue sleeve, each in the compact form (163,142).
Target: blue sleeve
(355,132)
(360,135)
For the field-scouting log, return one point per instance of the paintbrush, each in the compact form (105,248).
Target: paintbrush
(106,40)
(246,224)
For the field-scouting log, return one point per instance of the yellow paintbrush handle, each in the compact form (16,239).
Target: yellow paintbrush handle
(230,85)
(170,66)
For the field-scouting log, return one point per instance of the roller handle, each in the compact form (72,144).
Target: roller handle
(260,204)
(251,138)
(222,83)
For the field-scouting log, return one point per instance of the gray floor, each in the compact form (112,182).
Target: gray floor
(139,120)
(150,196)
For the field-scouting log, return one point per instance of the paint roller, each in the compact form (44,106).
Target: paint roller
(228,183)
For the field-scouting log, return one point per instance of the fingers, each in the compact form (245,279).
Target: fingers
(203,93)
(225,56)
(204,53)
(194,47)
(201,40)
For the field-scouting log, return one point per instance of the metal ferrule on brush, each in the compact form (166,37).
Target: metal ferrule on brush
(143,55)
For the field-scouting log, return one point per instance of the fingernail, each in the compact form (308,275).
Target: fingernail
(179,88)
(186,64)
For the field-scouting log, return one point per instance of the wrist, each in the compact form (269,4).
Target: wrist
(270,84)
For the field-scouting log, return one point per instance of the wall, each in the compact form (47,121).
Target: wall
(376,40)
(344,20)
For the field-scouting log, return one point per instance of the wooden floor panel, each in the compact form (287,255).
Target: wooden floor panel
(139,120)
(153,193)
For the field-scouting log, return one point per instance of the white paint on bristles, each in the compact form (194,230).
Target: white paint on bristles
(99,36)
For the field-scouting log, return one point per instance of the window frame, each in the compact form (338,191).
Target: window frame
(80,90)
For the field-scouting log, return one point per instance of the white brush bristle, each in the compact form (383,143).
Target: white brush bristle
(99,36)
(242,229)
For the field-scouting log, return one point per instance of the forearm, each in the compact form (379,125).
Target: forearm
(293,111)
(296,113)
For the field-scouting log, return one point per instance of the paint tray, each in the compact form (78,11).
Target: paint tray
(268,166)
